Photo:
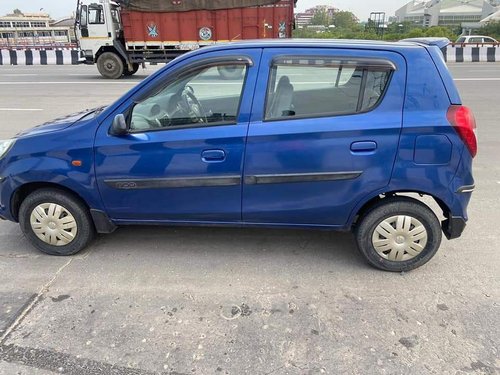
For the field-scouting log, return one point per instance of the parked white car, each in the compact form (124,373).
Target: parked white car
(476,39)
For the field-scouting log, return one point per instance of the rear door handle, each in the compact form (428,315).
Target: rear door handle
(365,146)
(213,156)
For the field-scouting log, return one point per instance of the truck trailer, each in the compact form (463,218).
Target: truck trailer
(120,36)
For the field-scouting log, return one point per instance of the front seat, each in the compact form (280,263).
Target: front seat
(282,100)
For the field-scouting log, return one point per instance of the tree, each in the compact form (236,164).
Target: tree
(345,19)
(415,33)
(492,29)
(321,17)
(440,31)
(17,12)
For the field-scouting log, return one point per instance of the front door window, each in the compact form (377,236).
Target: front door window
(197,99)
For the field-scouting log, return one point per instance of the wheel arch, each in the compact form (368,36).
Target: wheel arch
(23,191)
(367,204)
(117,51)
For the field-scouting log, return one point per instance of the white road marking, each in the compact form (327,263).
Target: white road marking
(112,83)
(485,70)
(71,83)
(20,109)
(476,79)
(18,74)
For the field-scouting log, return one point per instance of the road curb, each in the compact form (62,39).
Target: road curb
(39,57)
(463,53)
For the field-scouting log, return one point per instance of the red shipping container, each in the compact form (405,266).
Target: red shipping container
(191,29)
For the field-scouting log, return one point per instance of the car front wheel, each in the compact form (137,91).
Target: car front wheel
(55,222)
(398,234)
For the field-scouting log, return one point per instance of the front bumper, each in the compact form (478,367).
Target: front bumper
(2,206)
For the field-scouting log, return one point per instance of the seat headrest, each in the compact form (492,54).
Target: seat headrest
(283,82)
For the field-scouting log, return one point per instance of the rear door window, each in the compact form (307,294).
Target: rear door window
(317,87)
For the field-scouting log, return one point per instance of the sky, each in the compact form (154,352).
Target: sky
(62,8)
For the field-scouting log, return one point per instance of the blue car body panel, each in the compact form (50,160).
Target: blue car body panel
(214,174)
(41,157)
(177,154)
(321,145)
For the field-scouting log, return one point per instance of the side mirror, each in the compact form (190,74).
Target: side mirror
(119,126)
(83,16)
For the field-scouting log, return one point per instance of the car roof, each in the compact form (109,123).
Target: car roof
(317,43)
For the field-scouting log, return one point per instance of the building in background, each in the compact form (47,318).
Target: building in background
(495,17)
(35,30)
(446,12)
(305,19)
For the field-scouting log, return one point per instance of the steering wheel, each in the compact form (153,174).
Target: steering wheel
(142,122)
(193,106)
(163,121)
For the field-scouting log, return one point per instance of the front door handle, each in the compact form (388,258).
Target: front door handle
(213,156)
(366,146)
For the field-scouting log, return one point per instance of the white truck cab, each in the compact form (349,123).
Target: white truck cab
(99,34)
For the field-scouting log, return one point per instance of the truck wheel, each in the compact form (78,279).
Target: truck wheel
(110,65)
(230,72)
(55,222)
(398,234)
(135,68)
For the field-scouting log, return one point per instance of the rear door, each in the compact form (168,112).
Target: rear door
(323,134)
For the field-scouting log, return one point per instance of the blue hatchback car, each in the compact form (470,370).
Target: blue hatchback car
(298,134)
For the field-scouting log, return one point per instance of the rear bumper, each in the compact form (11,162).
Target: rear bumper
(460,190)
(453,227)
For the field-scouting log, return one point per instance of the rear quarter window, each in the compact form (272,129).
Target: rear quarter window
(317,87)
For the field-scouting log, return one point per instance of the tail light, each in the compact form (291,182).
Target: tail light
(462,119)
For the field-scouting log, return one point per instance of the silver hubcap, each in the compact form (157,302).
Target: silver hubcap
(399,238)
(53,224)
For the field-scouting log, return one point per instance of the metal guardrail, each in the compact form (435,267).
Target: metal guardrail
(19,46)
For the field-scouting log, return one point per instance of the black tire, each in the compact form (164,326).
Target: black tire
(110,65)
(385,210)
(84,224)
(128,73)
(230,72)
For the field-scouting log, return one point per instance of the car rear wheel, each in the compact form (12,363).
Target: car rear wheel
(398,234)
(55,222)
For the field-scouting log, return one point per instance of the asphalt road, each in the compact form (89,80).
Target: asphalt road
(233,301)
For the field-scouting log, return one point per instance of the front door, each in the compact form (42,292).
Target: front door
(182,158)
(324,136)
